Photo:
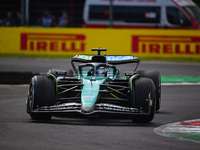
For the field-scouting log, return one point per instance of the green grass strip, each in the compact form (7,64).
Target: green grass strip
(186,136)
(179,79)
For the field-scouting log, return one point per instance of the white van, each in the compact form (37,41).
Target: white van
(176,14)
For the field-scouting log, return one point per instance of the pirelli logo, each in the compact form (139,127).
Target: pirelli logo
(171,45)
(52,42)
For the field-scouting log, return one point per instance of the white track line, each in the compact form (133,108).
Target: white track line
(181,83)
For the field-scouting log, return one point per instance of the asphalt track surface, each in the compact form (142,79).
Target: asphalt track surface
(43,65)
(18,131)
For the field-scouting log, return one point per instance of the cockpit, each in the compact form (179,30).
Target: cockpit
(96,70)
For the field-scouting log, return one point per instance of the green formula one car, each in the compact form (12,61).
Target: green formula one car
(96,89)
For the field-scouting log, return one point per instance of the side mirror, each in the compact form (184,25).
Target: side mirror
(77,72)
(117,71)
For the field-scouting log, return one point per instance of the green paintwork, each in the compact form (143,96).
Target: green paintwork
(90,91)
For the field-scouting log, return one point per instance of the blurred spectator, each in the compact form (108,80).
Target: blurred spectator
(8,21)
(64,19)
(18,19)
(47,20)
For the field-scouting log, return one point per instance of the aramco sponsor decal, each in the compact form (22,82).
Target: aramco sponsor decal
(52,42)
(171,45)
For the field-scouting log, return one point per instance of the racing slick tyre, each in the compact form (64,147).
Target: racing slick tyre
(155,76)
(59,72)
(41,93)
(144,99)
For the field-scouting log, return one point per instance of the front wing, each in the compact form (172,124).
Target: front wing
(102,108)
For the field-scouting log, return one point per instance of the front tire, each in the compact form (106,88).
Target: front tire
(144,99)
(41,93)
(155,76)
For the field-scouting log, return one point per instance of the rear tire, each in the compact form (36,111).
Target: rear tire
(144,91)
(41,93)
(155,76)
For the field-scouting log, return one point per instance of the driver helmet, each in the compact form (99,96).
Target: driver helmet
(101,71)
(91,71)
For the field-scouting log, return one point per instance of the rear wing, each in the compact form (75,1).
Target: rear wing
(110,59)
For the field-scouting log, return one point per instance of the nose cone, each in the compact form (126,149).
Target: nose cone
(90,94)
(88,104)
